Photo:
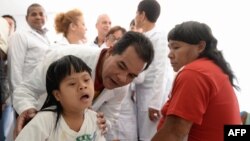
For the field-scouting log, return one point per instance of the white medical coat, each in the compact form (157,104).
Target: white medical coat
(26,94)
(26,49)
(151,93)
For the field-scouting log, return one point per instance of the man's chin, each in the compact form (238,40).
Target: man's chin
(110,86)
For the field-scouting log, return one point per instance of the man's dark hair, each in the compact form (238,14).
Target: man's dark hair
(151,8)
(33,5)
(116,28)
(132,23)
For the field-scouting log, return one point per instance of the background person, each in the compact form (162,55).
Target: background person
(151,93)
(27,47)
(115,33)
(103,25)
(12,23)
(72,25)
(4,33)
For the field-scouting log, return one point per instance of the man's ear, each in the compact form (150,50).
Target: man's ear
(143,15)
(96,25)
(110,50)
(56,94)
(26,18)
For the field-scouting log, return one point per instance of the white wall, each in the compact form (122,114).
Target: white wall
(228,20)
(121,12)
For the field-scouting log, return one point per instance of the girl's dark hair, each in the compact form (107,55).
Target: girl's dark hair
(56,72)
(193,32)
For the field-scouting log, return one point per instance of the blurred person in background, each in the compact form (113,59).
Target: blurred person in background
(71,25)
(103,25)
(5,105)
(151,92)
(114,35)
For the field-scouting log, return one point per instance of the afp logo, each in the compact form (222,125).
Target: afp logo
(237,133)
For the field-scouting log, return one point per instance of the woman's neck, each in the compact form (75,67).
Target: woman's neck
(72,40)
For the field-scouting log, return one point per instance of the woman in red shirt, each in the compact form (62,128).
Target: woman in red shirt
(202,100)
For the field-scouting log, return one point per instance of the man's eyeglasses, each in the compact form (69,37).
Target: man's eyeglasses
(112,38)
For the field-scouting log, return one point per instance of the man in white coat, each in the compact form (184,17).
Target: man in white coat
(111,69)
(27,47)
(151,93)
(103,25)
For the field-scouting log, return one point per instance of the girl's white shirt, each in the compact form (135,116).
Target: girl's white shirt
(42,128)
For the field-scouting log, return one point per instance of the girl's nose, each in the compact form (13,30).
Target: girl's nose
(82,86)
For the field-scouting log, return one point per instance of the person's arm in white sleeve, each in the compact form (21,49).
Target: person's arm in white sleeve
(111,110)
(26,94)
(16,58)
(158,87)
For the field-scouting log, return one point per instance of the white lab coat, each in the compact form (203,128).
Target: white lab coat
(26,94)
(109,102)
(151,93)
(127,122)
(62,41)
(26,49)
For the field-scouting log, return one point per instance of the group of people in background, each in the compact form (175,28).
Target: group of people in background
(140,84)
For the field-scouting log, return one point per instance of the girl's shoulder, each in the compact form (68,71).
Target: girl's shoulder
(90,116)
(90,113)
(48,113)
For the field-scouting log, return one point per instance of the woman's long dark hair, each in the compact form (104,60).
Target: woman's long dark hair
(193,32)
(56,72)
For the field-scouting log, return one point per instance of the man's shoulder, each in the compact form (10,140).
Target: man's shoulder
(157,34)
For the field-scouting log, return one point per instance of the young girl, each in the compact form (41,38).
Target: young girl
(65,115)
